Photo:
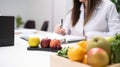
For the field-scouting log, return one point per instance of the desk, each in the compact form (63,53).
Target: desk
(19,56)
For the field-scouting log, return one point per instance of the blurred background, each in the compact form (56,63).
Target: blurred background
(36,10)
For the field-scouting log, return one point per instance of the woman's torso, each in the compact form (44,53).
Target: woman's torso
(97,22)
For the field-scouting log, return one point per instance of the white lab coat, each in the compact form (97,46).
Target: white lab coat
(103,22)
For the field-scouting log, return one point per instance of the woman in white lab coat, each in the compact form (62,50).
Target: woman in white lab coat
(91,18)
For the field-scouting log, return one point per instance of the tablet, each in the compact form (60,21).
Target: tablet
(6,31)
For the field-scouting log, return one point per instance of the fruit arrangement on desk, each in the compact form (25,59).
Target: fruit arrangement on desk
(97,52)
(36,42)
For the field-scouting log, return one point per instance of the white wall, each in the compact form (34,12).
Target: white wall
(14,8)
(69,5)
(38,10)
(59,10)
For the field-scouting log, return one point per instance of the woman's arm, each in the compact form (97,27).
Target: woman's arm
(113,20)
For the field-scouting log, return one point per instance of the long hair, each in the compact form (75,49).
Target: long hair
(76,10)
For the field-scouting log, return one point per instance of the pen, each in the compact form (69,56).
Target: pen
(61,24)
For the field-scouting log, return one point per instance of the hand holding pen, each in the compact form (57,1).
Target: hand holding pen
(59,28)
(61,24)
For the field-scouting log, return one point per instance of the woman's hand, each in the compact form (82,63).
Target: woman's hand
(59,30)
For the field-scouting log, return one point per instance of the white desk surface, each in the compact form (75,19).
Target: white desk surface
(19,56)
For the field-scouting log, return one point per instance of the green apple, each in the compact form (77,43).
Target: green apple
(99,42)
(34,41)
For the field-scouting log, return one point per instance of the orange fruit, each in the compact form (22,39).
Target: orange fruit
(82,43)
(76,53)
(85,59)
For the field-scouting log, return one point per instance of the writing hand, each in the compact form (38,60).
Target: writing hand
(59,30)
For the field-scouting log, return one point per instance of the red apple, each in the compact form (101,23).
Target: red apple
(55,44)
(45,43)
(97,57)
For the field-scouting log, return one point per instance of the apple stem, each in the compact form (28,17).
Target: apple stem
(96,40)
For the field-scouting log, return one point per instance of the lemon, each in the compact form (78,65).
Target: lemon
(33,41)
(85,59)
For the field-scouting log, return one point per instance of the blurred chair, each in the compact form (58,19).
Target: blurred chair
(45,26)
(30,24)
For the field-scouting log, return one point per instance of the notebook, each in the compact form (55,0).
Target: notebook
(63,39)
(6,31)
(66,38)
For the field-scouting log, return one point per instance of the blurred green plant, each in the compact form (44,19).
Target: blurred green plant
(18,21)
(117,3)
(115,48)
